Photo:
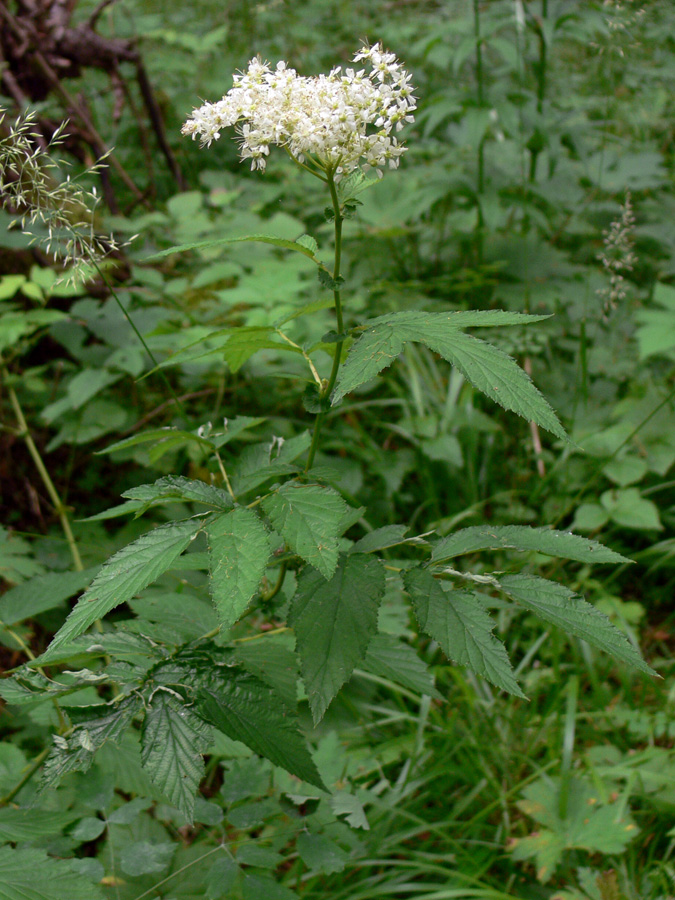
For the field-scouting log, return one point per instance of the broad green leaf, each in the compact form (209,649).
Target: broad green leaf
(487,368)
(462,627)
(320,854)
(41,593)
(273,661)
(261,887)
(32,875)
(560,606)
(334,622)
(521,537)
(348,805)
(180,615)
(145,858)
(172,743)
(590,824)
(239,548)
(396,661)
(222,877)
(308,517)
(15,325)
(630,510)
(260,238)
(125,574)
(173,488)
(246,710)
(31,824)
(88,829)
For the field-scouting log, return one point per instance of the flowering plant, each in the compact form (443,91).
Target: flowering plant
(328,123)
(280,547)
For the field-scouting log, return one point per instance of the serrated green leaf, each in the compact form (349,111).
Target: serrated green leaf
(94,726)
(560,606)
(306,240)
(462,627)
(172,488)
(246,710)
(497,376)
(260,238)
(521,537)
(239,548)
(32,875)
(273,661)
(125,574)
(376,349)
(308,518)
(43,592)
(396,661)
(172,743)
(490,370)
(334,622)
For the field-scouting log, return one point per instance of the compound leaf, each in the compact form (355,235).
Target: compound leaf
(462,627)
(334,622)
(126,573)
(308,517)
(239,548)
(560,606)
(489,369)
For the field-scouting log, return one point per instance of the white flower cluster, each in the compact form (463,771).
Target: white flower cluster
(335,122)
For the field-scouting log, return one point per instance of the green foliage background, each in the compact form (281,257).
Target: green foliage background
(537,120)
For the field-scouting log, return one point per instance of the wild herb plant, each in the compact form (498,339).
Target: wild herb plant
(284,550)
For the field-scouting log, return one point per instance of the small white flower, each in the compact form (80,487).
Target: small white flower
(327,119)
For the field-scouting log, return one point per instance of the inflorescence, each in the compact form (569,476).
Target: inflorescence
(330,124)
(62,210)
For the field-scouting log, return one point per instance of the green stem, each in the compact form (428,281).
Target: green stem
(277,587)
(479,50)
(327,390)
(481,146)
(34,766)
(44,475)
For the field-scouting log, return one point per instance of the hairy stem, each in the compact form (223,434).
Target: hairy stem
(327,390)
